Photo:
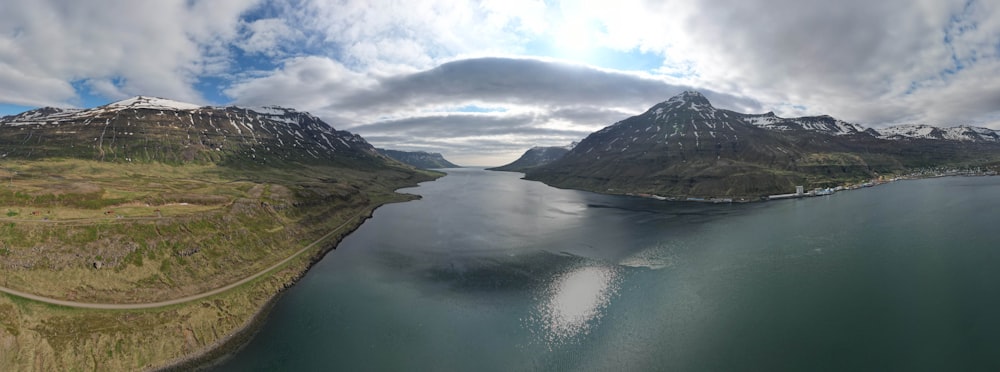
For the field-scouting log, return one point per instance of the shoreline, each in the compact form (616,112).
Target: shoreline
(765,198)
(226,347)
(221,349)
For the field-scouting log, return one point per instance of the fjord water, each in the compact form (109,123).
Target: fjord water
(492,273)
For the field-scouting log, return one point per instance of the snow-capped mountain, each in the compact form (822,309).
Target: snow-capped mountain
(823,124)
(957,133)
(830,125)
(154,103)
(157,129)
(686,147)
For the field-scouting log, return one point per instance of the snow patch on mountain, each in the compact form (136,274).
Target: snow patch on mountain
(923,131)
(763,120)
(40,116)
(824,124)
(156,103)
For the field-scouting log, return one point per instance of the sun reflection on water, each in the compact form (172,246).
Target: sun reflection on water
(574,302)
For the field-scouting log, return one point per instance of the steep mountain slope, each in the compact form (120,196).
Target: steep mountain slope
(687,147)
(418,159)
(149,205)
(145,129)
(534,157)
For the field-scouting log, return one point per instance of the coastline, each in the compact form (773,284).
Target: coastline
(766,198)
(224,348)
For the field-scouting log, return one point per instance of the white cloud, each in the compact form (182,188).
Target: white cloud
(307,83)
(107,88)
(543,102)
(269,36)
(27,88)
(155,47)
(359,63)
(857,59)
(401,36)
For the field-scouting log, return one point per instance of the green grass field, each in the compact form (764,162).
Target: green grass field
(99,232)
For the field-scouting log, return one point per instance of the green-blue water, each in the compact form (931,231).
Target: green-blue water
(492,273)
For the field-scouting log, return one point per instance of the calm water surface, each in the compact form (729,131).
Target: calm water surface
(492,273)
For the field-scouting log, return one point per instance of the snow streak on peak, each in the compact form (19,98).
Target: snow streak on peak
(687,94)
(268,110)
(690,96)
(922,131)
(687,100)
(822,123)
(155,103)
(907,130)
(276,111)
(39,116)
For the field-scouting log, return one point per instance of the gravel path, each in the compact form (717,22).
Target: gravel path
(150,305)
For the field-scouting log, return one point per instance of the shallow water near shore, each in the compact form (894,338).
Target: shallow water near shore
(491,272)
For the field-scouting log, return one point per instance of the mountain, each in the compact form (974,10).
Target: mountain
(921,131)
(685,147)
(149,129)
(534,157)
(822,123)
(418,159)
(178,225)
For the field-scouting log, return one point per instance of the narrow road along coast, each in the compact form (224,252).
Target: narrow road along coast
(176,301)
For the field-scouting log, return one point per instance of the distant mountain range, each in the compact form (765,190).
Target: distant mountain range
(687,147)
(534,157)
(145,129)
(419,159)
(681,147)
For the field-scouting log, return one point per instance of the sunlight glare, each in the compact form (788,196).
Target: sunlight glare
(574,301)
(574,37)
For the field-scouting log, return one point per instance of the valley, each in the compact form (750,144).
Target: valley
(454,186)
(150,233)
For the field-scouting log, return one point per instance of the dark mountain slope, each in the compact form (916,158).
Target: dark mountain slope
(534,157)
(146,129)
(685,147)
(419,159)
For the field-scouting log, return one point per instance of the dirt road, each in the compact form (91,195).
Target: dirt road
(151,305)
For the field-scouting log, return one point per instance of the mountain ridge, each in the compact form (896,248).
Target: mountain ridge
(534,157)
(686,147)
(418,159)
(156,129)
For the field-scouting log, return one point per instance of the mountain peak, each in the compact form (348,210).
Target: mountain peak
(155,103)
(690,96)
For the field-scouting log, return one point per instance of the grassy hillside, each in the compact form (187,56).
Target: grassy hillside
(103,232)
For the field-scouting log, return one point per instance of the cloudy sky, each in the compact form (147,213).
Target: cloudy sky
(481,81)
